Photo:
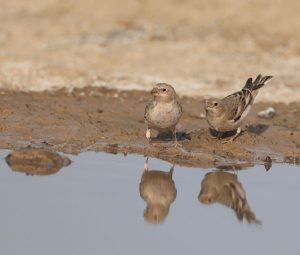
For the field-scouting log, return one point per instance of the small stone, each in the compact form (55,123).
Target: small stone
(267,114)
(36,161)
(268,163)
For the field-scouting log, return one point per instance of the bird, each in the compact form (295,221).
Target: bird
(164,111)
(224,188)
(227,114)
(158,190)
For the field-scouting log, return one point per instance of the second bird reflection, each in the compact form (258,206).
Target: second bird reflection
(224,188)
(158,190)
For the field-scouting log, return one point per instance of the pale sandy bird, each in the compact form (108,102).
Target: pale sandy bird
(163,112)
(227,114)
(158,190)
(224,188)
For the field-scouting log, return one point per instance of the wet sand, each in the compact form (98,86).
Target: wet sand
(73,49)
(100,119)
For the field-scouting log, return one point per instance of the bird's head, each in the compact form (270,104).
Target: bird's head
(213,106)
(163,92)
(155,213)
(208,195)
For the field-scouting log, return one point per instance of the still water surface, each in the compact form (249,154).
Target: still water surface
(96,206)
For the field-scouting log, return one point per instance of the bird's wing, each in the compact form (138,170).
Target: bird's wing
(226,195)
(233,195)
(179,107)
(149,106)
(238,103)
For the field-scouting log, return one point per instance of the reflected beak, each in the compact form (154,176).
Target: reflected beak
(205,199)
(154,92)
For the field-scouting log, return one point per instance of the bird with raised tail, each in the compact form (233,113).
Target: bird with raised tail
(224,188)
(227,114)
(164,111)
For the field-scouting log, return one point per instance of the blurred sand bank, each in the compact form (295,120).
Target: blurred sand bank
(203,48)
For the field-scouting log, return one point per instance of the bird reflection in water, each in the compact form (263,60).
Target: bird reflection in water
(224,188)
(158,190)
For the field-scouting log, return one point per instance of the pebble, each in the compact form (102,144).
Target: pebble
(267,114)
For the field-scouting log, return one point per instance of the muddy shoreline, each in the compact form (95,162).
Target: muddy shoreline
(99,119)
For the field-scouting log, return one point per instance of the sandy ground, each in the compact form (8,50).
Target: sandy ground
(70,50)
(203,48)
(112,121)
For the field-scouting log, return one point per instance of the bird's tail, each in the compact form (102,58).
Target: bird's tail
(245,212)
(250,217)
(258,83)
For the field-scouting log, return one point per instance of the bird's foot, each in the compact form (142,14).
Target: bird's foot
(177,144)
(238,133)
(228,141)
(231,140)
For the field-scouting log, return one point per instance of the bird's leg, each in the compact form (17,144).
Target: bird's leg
(146,166)
(175,138)
(171,170)
(148,134)
(234,170)
(238,132)
(219,135)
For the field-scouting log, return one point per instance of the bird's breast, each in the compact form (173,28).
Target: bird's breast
(221,123)
(164,115)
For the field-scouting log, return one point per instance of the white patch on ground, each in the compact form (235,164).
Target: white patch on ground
(22,76)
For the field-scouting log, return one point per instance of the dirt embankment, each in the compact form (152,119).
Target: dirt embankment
(112,121)
(203,48)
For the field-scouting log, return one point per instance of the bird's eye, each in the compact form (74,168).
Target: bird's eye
(216,104)
(164,90)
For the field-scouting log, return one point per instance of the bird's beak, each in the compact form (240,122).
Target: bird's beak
(208,104)
(154,92)
(205,198)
